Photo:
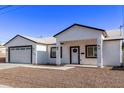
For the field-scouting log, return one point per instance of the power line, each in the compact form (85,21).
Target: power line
(11,10)
(5,7)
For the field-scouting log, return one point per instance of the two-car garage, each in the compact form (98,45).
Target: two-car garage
(20,54)
(28,50)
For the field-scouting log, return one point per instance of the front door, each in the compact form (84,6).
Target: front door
(74,55)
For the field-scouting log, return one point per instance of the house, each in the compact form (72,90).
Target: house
(77,44)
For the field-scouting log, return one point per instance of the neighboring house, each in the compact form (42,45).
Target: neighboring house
(2,53)
(77,44)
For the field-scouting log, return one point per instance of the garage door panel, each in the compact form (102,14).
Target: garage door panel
(20,55)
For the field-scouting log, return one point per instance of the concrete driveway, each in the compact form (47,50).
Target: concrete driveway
(7,65)
(13,65)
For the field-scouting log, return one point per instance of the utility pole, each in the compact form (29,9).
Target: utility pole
(122,30)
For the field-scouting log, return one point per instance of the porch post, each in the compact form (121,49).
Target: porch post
(100,52)
(58,58)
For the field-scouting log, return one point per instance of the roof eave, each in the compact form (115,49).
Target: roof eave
(113,39)
(24,38)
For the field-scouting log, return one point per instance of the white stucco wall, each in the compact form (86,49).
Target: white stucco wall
(51,60)
(42,54)
(112,53)
(19,41)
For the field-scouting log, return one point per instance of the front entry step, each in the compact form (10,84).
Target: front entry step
(73,65)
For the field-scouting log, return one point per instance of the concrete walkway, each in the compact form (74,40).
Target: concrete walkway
(13,65)
(65,67)
(49,67)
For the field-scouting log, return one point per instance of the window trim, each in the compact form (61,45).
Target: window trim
(86,51)
(51,52)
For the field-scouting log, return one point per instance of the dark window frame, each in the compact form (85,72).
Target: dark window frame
(86,56)
(56,48)
(51,56)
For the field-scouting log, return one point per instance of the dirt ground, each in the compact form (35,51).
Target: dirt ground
(23,77)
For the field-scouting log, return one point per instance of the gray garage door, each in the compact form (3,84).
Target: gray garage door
(20,54)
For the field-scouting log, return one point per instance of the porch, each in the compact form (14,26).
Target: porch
(79,52)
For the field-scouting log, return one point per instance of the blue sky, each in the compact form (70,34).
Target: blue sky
(45,21)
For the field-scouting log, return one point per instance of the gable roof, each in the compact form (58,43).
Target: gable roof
(46,40)
(104,32)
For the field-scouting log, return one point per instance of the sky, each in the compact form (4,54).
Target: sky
(44,21)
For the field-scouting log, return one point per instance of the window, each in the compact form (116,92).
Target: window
(53,52)
(91,51)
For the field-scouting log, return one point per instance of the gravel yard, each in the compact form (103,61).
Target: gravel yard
(76,77)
